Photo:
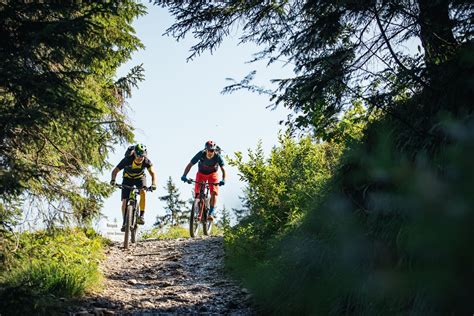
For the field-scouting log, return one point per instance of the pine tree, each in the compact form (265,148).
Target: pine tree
(343,51)
(244,211)
(176,212)
(61,106)
(225,220)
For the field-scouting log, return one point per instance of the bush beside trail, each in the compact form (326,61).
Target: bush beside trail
(389,233)
(49,268)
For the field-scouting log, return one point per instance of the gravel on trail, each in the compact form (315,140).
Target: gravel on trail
(167,277)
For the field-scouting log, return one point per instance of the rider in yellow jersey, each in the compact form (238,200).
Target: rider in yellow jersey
(134,166)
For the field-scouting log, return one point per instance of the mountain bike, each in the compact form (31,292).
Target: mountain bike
(200,210)
(131,213)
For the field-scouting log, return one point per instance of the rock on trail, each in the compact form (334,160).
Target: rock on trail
(167,277)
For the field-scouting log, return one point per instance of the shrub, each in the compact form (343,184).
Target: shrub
(49,266)
(393,236)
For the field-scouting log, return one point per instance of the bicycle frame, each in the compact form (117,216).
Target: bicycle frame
(132,200)
(199,215)
(131,213)
(203,196)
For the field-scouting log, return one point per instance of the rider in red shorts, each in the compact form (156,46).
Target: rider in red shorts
(209,162)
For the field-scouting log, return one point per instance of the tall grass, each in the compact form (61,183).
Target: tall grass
(48,268)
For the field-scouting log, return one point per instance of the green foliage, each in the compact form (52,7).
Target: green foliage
(279,191)
(61,107)
(217,230)
(400,243)
(334,60)
(224,222)
(50,266)
(176,211)
(170,232)
(174,232)
(390,232)
(8,238)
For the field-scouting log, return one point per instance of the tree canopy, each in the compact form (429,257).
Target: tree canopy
(340,50)
(61,105)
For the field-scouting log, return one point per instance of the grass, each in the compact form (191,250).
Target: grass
(50,267)
(175,232)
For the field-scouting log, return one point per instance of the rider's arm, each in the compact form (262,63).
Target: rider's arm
(188,167)
(223,172)
(114,173)
(221,163)
(152,173)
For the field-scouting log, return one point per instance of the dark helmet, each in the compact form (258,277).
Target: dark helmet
(140,150)
(210,145)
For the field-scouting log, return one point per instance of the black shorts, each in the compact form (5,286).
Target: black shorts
(139,183)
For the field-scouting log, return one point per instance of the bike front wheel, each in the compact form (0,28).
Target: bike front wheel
(193,220)
(133,233)
(128,223)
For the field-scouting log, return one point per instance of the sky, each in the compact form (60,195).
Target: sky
(178,107)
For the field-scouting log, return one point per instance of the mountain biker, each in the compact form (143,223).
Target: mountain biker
(134,166)
(209,161)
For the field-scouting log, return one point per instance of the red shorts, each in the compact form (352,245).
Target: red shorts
(211,178)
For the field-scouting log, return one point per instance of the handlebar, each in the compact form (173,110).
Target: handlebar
(201,182)
(123,186)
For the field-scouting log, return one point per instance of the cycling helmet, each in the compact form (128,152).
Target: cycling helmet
(140,150)
(210,145)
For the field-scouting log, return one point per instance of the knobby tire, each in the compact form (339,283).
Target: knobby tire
(193,224)
(128,222)
(134,227)
(208,225)
(204,222)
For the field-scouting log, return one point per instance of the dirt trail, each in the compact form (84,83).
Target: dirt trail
(168,277)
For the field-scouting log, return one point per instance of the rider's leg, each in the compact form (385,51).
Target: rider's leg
(199,178)
(212,203)
(142,202)
(141,183)
(141,219)
(214,192)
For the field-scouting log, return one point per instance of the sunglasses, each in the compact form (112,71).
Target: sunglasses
(210,150)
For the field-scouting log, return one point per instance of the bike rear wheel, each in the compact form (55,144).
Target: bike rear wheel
(206,228)
(128,223)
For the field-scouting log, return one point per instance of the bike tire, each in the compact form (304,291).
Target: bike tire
(193,223)
(134,227)
(133,234)
(128,222)
(209,224)
(204,222)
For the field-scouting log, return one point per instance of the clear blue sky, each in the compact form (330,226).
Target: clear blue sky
(179,107)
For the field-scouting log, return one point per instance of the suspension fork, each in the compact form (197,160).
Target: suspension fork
(132,200)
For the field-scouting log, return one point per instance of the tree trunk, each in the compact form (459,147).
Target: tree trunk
(436,31)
